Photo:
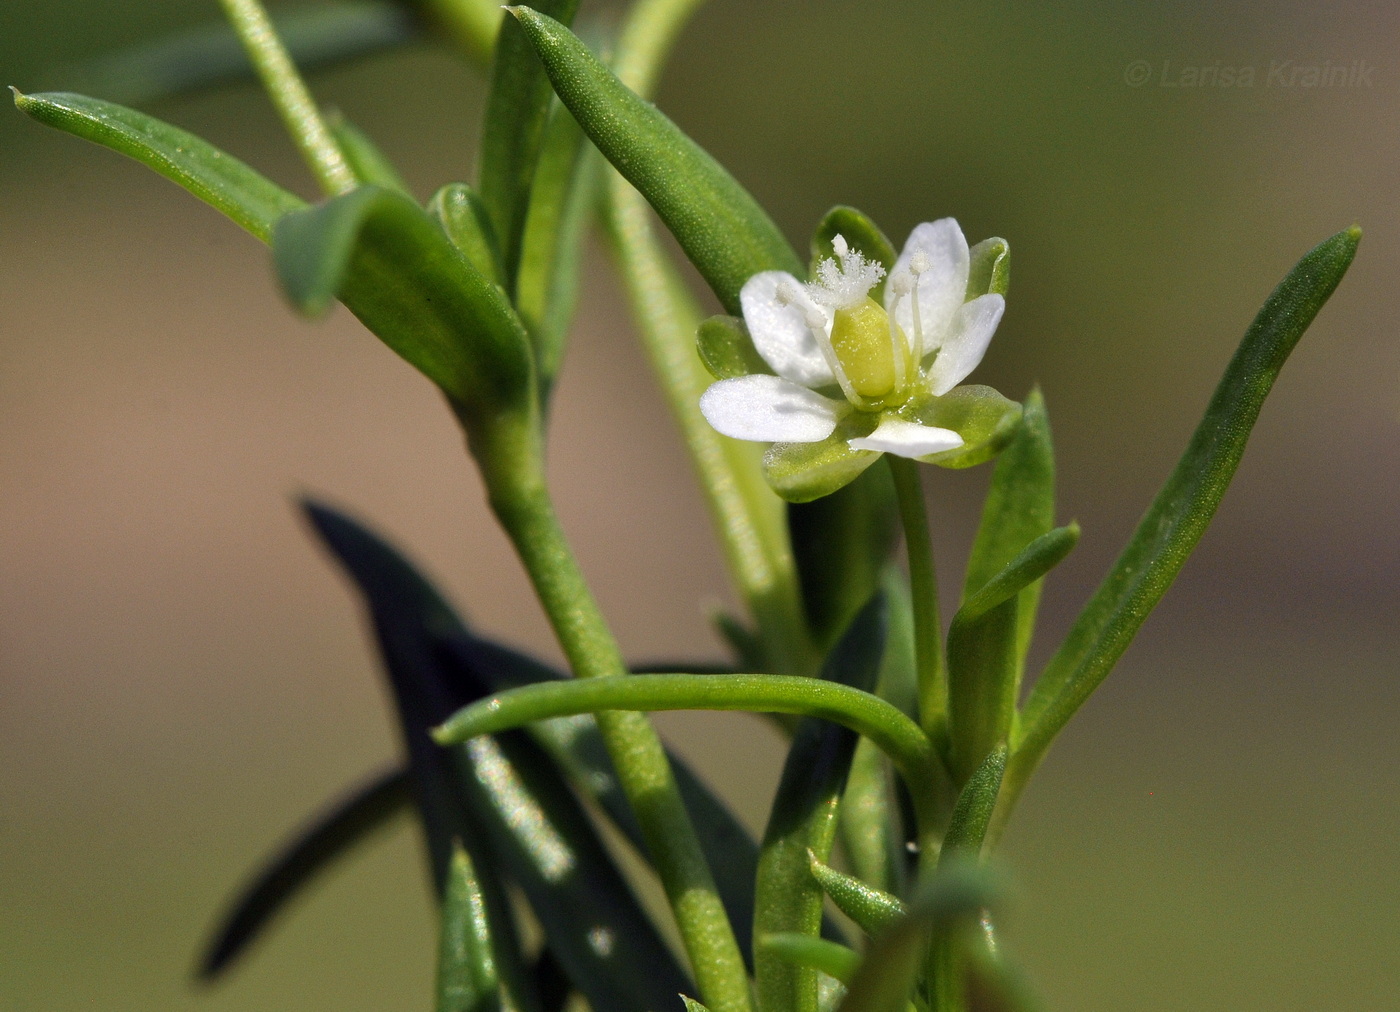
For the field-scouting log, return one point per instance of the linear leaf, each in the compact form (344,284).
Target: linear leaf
(517,109)
(973,812)
(802,821)
(396,269)
(1020,507)
(251,200)
(885,980)
(508,795)
(873,910)
(462,215)
(983,653)
(806,952)
(562,198)
(301,860)
(1180,513)
(864,713)
(720,226)
(577,747)
(466,979)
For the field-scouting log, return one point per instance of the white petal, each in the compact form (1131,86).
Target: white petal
(966,343)
(942,286)
(768,409)
(780,332)
(907,439)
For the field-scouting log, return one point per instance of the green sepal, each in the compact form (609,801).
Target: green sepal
(721,228)
(801,472)
(983,653)
(802,820)
(985,419)
(954,895)
(841,543)
(298,862)
(1183,508)
(252,201)
(562,198)
(466,975)
(462,215)
(809,953)
(691,1005)
(513,130)
(873,910)
(727,349)
(861,234)
(366,160)
(213,55)
(989,268)
(972,814)
(395,268)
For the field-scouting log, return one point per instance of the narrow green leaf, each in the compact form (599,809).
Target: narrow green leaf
(989,271)
(842,543)
(984,653)
(722,229)
(802,820)
(885,980)
(864,713)
(576,746)
(985,419)
(466,977)
(462,215)
(212,55)
(1179,515)
(252,201)
(301,860)
(471,25)
(513,129)
(369,164)
(691,1005)
(972,814)
(807,953)
(395,268)
(1020,507)
(505,791)
(874,910)
(727,349)
(861,234)
(562,199)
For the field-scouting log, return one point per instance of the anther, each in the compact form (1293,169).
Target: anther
(919,262)
(840,247)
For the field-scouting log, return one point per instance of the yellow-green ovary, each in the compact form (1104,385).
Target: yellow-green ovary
(860,337)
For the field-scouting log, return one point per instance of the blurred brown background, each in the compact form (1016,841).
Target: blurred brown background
(183,677)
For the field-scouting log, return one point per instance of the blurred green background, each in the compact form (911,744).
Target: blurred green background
(183,677)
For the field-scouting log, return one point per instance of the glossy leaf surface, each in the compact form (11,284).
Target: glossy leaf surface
(720,226)
(395,268)
(221,181)
(1179,515)
(301,860)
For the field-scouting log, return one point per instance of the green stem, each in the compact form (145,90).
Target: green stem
(515,480)
(923,585)
(750,519)
(290,96)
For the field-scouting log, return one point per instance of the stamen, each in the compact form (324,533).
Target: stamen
(816,323)
(919,261)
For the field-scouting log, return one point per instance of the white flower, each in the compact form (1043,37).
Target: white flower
(836,351)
